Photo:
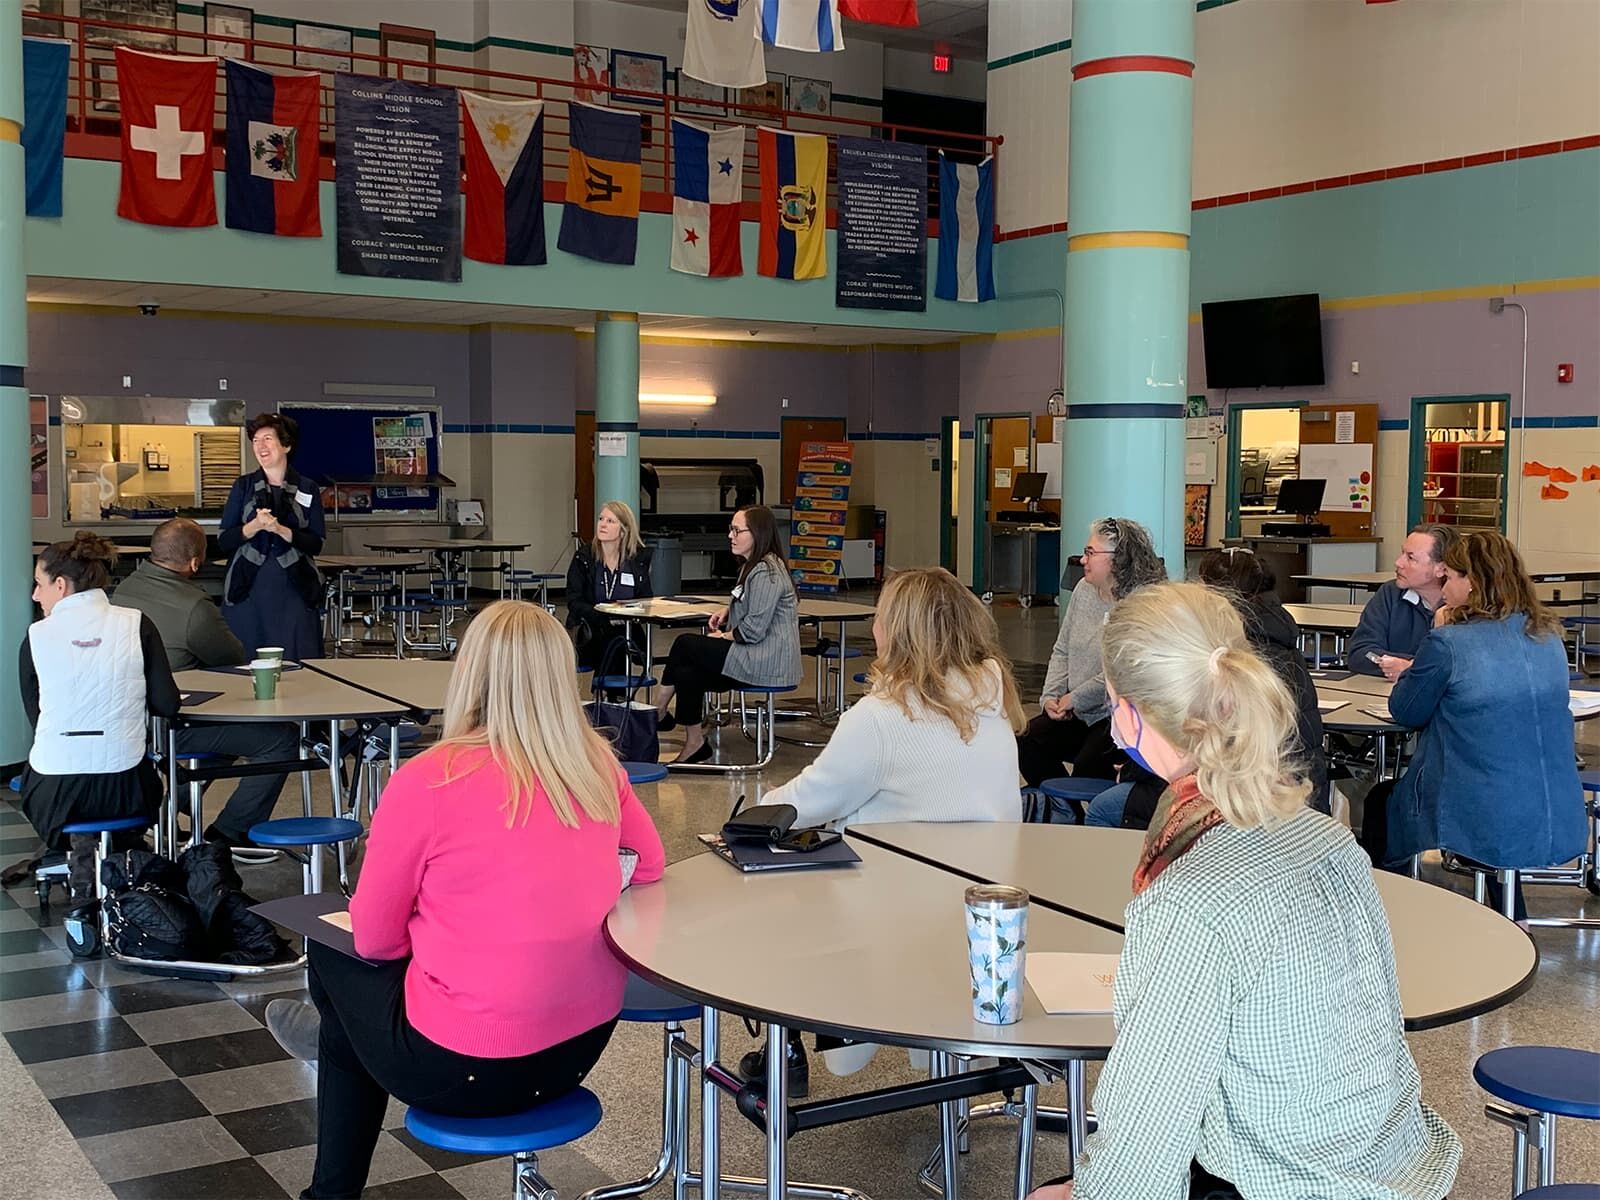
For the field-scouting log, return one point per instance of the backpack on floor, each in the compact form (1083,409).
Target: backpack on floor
(148,913)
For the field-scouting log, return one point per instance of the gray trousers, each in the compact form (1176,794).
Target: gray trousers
(253,798)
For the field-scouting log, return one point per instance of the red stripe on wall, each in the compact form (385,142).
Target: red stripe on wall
(1132,62)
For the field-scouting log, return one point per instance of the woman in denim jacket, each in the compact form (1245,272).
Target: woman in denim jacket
(1494,777)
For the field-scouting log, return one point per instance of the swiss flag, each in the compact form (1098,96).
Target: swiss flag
(880,12)
(167,104)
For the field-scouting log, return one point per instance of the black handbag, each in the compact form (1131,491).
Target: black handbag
(766,824)
(628,724)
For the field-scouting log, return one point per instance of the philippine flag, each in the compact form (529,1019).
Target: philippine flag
(274,154)
(505,180)
(707,176)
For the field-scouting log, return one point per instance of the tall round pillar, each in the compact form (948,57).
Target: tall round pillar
(16,492)
(1127,288)
(616,409)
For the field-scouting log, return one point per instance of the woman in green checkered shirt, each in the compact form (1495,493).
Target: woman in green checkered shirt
(1259,1035)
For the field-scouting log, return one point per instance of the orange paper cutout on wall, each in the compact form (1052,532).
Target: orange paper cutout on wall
(1562,475)
(1534,468)
(1551,492)
(1591,473)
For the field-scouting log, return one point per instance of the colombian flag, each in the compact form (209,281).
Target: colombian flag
(794,204)
(601,217)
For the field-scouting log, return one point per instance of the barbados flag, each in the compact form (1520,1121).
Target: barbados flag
(601,217)
(274,151)
(794,204)
(505,180)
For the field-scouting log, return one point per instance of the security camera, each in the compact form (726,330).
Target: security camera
(149,308)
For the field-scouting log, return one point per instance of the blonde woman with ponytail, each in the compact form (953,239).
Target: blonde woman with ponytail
(1260,1050)
(492,863)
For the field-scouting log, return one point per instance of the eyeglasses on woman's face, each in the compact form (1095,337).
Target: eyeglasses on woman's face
(736,530)
(1090,552)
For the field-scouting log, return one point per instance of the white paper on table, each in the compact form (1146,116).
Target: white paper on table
(1583,704)
(1380,711)
(1329,706)
(1072,983)
(340,920)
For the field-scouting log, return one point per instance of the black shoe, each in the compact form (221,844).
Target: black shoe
(699,756)
(666,723)
(753,1069)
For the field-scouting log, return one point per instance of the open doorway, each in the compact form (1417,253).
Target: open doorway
(1263,451)
(1458,461)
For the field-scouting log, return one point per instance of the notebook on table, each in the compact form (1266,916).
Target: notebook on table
(1067,983)
(748,857)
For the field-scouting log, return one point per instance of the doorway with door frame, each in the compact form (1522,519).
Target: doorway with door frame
(1418,457)
(1235,410)
(949,496)
(982,472)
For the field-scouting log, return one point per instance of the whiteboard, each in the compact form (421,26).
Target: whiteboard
(1348,470)
(1048,458)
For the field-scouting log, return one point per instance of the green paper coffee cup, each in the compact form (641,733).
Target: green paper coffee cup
(273,652)
(264,672)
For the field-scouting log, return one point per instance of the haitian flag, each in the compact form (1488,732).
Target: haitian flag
(44,122)
(274,152)
(800,24)
(707,170)
(966,230)
(601,217)
(794,204)
(167,104)
(505,180)
(880,12)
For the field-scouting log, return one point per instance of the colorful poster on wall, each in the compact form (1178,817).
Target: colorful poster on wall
(400,447)
(39,455)
(399,179)
(821,500)
(1196,508)
(883,225)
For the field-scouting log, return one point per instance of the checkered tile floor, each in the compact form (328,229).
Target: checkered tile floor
(174,1088)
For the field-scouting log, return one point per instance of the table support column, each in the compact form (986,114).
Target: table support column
(777,1112)
(710,1106)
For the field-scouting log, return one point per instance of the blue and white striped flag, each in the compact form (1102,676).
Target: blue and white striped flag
(801,24)
(966,230)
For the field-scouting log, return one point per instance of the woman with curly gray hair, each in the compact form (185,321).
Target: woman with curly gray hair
(1074,727)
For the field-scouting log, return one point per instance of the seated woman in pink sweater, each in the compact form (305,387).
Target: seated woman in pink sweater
(491,865)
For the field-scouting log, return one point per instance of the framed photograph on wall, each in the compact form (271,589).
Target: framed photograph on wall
(767,95)
(696,97)
(639,72)
(225,25)
(416,48)
(322,47)
(103,85)
(160,13)
(591,71)
(811,96)
(36,26)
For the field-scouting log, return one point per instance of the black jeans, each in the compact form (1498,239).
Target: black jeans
(694,667)
(1046,747)
(367,1051)
(255,797)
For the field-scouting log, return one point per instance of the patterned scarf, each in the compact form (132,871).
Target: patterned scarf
(1182,816)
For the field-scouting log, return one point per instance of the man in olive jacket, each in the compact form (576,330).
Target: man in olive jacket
(195,635)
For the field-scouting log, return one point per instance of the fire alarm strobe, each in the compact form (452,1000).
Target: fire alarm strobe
(1563,372)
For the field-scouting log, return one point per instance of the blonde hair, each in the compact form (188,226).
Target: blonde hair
(941,647)
(511,694)
(1177,652)
(631,542)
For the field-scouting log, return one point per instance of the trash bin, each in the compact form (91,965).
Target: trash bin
(666,565)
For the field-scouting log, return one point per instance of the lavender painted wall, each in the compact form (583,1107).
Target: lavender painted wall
(903,391)
(532,376)
(1010,375)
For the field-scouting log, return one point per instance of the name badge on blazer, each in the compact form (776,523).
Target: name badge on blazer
(303,499)
(627,580)
(738,592)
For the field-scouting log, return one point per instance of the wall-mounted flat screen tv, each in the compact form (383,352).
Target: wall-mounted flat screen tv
(1273,341)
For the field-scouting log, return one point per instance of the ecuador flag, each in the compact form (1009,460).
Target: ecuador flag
(601,217)
(794,203)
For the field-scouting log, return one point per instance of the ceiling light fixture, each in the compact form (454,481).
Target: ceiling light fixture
(676,400)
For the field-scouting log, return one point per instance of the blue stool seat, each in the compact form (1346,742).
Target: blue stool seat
(1551,1079)
(647,1004)
(114,825)
(1564,1191)
(776,689)
(860,677)
(645,772)
(555,1123)
(1074,787)
(305,831)
(16,783)
(832,652)
(583,670)
(1589,779)
(408,608)
(618,683)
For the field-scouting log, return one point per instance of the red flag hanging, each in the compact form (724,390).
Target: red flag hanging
(167,103)
(880,12)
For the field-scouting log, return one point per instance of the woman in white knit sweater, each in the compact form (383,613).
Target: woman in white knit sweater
(935,740)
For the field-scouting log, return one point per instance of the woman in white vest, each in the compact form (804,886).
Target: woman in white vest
(90,674)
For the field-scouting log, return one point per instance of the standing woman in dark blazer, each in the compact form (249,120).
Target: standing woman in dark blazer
(755,640)
(613,568)
(272,530)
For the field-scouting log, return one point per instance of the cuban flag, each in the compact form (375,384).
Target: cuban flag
(274,152)
(966,230)
(505,180)
(708,167)
(801,24)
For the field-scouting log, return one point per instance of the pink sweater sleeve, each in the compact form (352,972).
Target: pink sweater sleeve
(638,833)
(391,871)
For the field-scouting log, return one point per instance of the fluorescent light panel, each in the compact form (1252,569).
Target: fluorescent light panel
(676,400)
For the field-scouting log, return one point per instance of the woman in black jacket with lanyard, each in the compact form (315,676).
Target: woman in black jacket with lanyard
(272,529)
(613,568)
(755,640)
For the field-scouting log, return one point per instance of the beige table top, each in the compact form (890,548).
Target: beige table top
(1339,618)
(384,562)
(1351,681)
(1353,716)
(457,545)
(1542,567)
(418,683)
(877,950)
(657,610)
(834,610)
(303,695)
(1455,959)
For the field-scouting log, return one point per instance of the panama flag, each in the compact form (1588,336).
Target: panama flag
(167,112)
(274,154)
(505,180)
(801,24)
(706,183)
(966,230)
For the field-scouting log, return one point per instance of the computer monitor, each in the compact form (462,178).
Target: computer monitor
(1302,496)
(1028,485)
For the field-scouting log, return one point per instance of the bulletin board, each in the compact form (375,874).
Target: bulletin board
(1339,443)
(352,441)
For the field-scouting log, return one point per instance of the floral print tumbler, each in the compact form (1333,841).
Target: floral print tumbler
(997,948)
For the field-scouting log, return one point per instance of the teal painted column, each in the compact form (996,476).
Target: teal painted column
(16,492)
(1127,293)
(616,410)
